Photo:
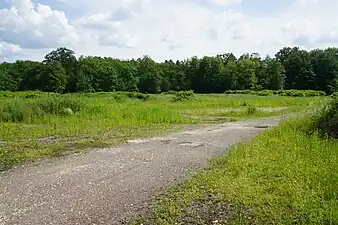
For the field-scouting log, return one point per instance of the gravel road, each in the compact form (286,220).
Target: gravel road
(104,185)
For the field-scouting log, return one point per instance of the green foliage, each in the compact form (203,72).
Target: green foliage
(62,72)
(272,74)
(291,93)
(299,93)
(24,94)
(171,92)
(334,94)
(150,76)
(298,68)
(324,64)
(241,92)
(139,96)
(21,110)
(183,96)
(245,74)
(68,61)
(325,120)
(265,93)
(251,110)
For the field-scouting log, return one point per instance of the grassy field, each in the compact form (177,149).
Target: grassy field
(283,176)
(34,125)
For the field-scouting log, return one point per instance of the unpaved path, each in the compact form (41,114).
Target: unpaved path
(106,184)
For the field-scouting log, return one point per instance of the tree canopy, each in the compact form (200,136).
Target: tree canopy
(62,72)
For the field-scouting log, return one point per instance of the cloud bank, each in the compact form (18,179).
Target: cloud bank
(173,29)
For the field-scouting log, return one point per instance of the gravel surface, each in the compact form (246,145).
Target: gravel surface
(104,185)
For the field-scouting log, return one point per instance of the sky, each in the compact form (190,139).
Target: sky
(164,29)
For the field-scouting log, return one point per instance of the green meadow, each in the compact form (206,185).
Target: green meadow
(35,125)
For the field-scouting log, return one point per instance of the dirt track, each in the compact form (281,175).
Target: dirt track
(105,185)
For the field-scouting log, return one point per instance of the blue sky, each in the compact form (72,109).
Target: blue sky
(164,29)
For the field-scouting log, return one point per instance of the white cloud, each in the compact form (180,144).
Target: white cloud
(35,26)
(226,2)
(167,29)
(305,2)
(8,50)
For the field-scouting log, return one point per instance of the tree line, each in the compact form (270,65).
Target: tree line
(62,72)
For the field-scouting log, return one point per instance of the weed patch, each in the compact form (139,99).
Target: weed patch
(325,120)
(183,96)
(251,110)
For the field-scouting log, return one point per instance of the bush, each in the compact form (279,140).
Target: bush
(241,92)
(265,93)
(137,95)
(325,121)
(24,94)
(334,94)
(251,110)
(292,93)
(119,97)
(171,92)
(183,95)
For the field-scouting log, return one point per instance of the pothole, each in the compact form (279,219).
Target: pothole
(261,126)
(165,142)
(191,144)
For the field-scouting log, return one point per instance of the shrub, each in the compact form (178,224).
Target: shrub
(325,121)
(171,92)
(137,95)
(119,97)
(265,93)
(251,110)
(24,94)
(183,95)
(241,92)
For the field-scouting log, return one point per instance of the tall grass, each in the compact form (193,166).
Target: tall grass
(325,121)
(22,110)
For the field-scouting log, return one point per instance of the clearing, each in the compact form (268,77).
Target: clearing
(35,125)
